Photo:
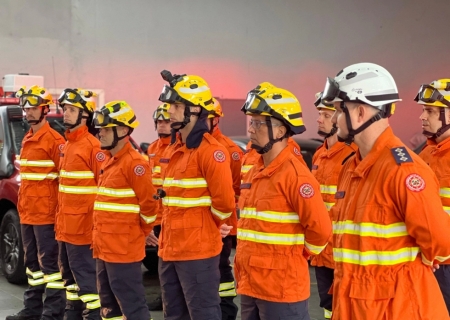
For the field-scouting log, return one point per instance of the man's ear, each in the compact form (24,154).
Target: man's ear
(447,115)
(281,131)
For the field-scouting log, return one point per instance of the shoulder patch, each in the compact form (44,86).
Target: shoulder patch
(100,156)
(306,190)
(401,155)
(235,155)
(139,170)
(219,156)
(415,182)
(297,151)
(61,147)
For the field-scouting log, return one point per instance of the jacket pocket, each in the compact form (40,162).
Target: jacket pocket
(115,238)
(371,295)
(75,220)
(267,275)
(186,232)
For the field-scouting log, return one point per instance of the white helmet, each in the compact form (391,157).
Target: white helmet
(367,83)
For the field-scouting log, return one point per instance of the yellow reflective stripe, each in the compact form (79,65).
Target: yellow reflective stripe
(444,192)
(366,229)
(55,285)
(185,183)
(93,305)
(78,189)
(157,182)
(315,249)
(73,287)
(246,168)
(72,296)
(383,258)
(186,202)
(121,193)
(327,313)
(156,169)
(36,282)
(219,214)
(52,277)
(446,209)
(438,258)
(107,206)
(329,205)
(89,297)
(76,174)
(113,318)
(35,275)
(38,176)
(328,189)
(37,163)
(148,219)
(270,238)
(229,293)
(226,286)
(270,216)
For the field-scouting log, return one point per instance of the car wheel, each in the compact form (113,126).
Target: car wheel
(150,262)
(11,249)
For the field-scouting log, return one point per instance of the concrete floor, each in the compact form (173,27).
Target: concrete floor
(11,296)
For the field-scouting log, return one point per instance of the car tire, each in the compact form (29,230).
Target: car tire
(11,248)
(150,262)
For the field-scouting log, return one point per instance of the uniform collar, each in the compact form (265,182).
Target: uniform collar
(127,147)
(273,166)
(441,146)
(164,141)
(76,134)
(216,133)
(43,130)
(337,147)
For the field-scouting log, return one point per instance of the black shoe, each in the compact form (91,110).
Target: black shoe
(155,305)
(22,315)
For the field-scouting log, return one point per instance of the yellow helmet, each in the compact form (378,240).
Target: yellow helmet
(115,113)
(436,94)
(188,89)
(35,96)
(79,98)
(217,110)
(322,104)
(278,103)
(161,113)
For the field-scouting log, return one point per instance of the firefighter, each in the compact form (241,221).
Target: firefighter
(435,117)
(38,193)
(227,290)
(282,216)
(252,155)
(327,164)
(198,198)
(155,151)
(124,213)
(80,164)
(389,229)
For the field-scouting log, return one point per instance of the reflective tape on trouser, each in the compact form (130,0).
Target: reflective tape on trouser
(327,314)
(227,289)
(35,275)
(89,297)
(114,318)
(93,305)
(73,296)
(56,285)
(36,282)
(52,277)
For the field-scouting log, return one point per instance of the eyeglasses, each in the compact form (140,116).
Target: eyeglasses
(256,124)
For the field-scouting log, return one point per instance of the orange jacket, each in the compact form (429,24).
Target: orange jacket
(388,229)
(124,209)
(39,161)
(282,221)
(199,198)
(235,164)
(327,164)
(80,164)
(251,156)
(155,152)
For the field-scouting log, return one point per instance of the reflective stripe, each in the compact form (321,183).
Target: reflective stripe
(327,313)
(148,219)
(55,285)
(106,206)
(114,318)
(438,258)
(37,163)
(38,176)
(93,305)
(157,182)
(72,296)
(328,189)
(270,238)
(52,277)
(315,249)
(366,229)
(246,168)
(34,275)
(226,286)
(444,192)
(73,287)
(446,209)
(270,216)
(329,205)
(77,189)
(121,193)
(156,169)
(383,258)
(221,215)
(185,183)
(89,297)
(186,202)
(36,282)
(76,174)
(228,293)
(193,90)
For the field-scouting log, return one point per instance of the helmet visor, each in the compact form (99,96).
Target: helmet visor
(69,95)
(332,91)
(100,120)
(256,104)
(429,94)
(160,114)
(32,100)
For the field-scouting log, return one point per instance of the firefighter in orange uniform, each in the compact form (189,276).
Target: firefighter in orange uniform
(327,164)
(227,290)
(124,213)
(282,216)
(155,152)
(198,198)
(80,165)
(435,117)
(389,229)
(38,194)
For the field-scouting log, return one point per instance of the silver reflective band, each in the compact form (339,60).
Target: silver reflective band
(384,258)
(271,238)
(328,189)
(37,163)
(270,216)
(76,174)
(126,208)
(121,193)
(366,229)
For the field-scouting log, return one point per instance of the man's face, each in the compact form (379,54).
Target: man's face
(106,136)
(176,111)
(163,126)
(33,113)
(430,118)
(324,120)
(70,113)
(214,121)
(340,121)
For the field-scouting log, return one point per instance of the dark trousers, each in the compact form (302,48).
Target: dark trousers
(78,272)
(190,289)
(257,309)
(41,262)
(227,289)
(324,277)
(443,279)
(121,290)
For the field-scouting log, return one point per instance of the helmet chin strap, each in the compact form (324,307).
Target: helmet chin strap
(177,126)
(441,130)
(163,135)
(212,125)
(41,117)
(78,122)
(269,145)
(326,135)
(116,139)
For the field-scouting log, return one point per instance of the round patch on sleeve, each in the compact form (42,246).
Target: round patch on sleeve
(139,170)
(415,183)
(61,147)
(236,156)
(297,152)
(219,156)
(100,156)
(306,190)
